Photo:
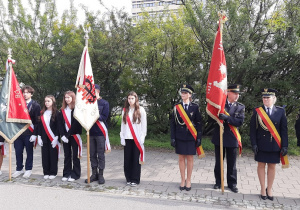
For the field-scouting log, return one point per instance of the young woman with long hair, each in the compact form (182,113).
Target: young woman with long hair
(70,130)
(48,137)
(133,133)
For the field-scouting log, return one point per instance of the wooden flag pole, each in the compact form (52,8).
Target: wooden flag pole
(9,173)
(221,158)
(88,156)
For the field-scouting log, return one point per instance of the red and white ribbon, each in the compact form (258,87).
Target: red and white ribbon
(103,128)
(50,134)
(137,140)
(77,137)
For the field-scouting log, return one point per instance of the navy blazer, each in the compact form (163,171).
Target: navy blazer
(262,138)
(181,132)
(34,112)
(236,118)
(297,128)
(103,107)
(75,126)
(53,126)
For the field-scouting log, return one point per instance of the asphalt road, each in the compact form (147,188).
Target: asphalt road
(16,196)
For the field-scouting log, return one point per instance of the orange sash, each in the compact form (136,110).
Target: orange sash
(237,135)
(191,128)
(267,121)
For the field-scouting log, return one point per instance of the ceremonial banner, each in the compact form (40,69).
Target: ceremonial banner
(14,115)
(86,107)
(216,88)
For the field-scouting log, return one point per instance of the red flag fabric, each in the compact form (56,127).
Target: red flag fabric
(14,115)
(17,109)
(216,87)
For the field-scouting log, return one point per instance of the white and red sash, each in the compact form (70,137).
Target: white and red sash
(3,149)
(103,128)
(49,133)
(77,137)
(137,140)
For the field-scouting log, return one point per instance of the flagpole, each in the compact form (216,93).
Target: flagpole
(9,173)
(88,155)
(9,167)
(221,158)
(222,20)
(86,37)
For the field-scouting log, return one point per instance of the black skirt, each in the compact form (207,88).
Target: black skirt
(185,147)
(267,157)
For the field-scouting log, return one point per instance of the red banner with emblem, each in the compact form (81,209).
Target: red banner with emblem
(216,87)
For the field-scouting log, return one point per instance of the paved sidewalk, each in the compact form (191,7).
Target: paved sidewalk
(161,178)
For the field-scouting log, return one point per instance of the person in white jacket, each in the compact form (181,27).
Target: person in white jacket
(133,133)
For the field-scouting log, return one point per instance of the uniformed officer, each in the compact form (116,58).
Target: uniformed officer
(236,117)
(265,147)
(181,137)
(297,128)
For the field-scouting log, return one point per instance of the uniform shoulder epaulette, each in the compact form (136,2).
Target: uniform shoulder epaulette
(257,107)
(279,107)
(240,104)
(194,103)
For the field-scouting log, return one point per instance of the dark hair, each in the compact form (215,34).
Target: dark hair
(72,95)
(28,88)
(137,113)
(54,109)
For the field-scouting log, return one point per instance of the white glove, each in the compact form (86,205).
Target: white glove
(64,139)
(123,142)
(1,143)
(32,138)
(54,142)
(40,141)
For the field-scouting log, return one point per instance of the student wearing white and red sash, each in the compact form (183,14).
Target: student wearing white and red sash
(297,128)
(28,138)
(181,137)
(266,148)
(70,130)
(98,140)
(1,152)
(133,133)
(48,137)
(235,118)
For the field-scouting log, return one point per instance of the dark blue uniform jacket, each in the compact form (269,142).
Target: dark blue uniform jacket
(263,138)
(237,116)
(103,107)
(181,132)
(297,128)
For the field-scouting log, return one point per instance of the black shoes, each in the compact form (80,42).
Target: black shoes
(217,186)
(263,197)
(188,188)
(94,176)
(234,189)
(271,198)
(181,188)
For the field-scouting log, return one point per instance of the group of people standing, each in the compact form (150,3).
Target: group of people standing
(268,135)
(50,127)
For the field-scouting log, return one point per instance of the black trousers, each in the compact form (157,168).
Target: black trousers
(231,154)
(132,167)
(71,155)
(49,158)
(19,144)
(97,150)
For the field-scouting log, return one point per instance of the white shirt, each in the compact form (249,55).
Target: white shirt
(141,128)
(47,116)
(68,114)
(271,108)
